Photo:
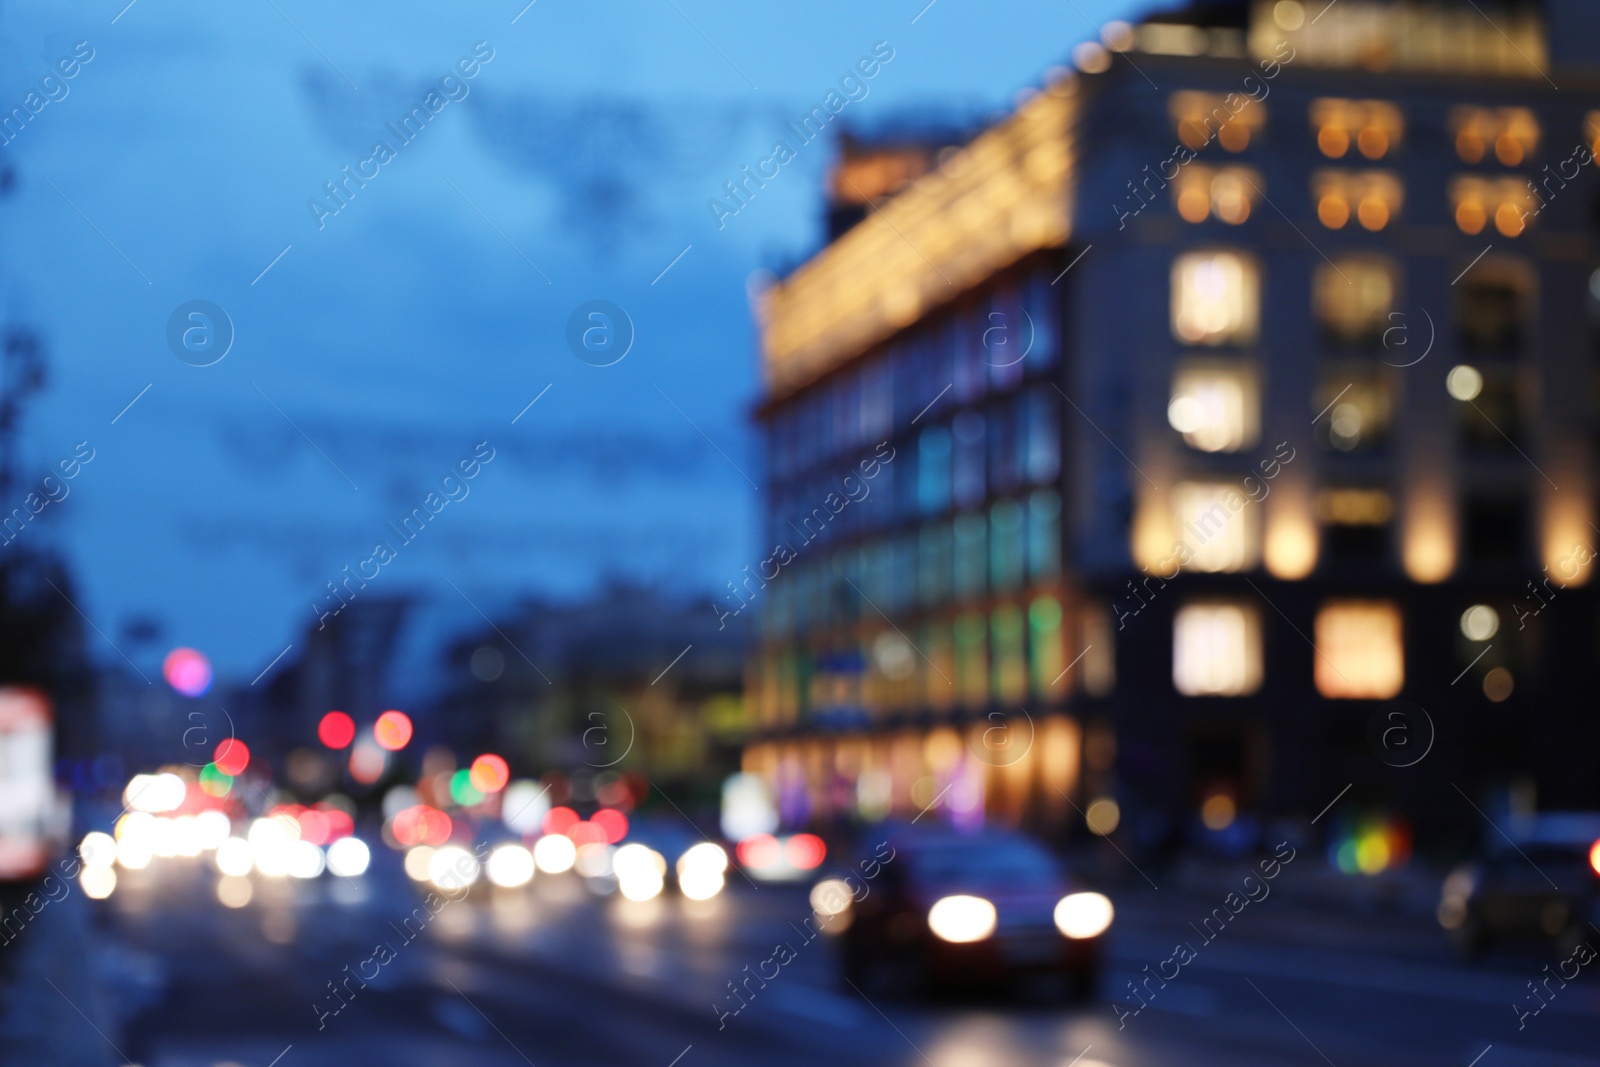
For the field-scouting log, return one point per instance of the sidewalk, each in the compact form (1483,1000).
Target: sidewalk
(50,1011)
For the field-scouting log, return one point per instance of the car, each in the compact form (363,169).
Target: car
(1540,886)
(939,907)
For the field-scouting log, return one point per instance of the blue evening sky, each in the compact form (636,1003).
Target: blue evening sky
(418,321)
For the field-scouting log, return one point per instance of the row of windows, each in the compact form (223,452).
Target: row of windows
(965,559)
(1370,198)
(1372,129)
(960,462)
(1216,649)
(1216,407)
(980,348)
(1016,652)
(1012,653)
(1220,528)
(1216,301)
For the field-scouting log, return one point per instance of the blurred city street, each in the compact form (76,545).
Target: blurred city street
(553,975)
(688,533)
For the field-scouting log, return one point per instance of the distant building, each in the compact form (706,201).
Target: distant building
(630,680)
(1238,386)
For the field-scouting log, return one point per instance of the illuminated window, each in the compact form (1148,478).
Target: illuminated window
(939,659)
(1507,201)
(1044,534)
(1215,298)
(967,477)
(1372,126)
(1216,649)
(1360,653)
(936,560)
(1511,133)
(933,470)
(1044,645)
(1354,407)
(1218,523)
(1591,125)
(971,555)
(1354,296)
(1007,545)
(1230,119)
(1373,196)
(1041,436)
(1215,408)
(1010,674)
(972,659)
(1229,193)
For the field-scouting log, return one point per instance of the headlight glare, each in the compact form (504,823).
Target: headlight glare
(1081,915)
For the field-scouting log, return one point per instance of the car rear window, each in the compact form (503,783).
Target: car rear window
(986,863)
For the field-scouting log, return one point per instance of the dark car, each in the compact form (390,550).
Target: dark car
(1540,887)
(938,907)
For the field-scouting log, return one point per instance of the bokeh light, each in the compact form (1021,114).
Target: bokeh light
(700,871)
(187,671)
(421,825)
(97,849)
(1103,816)
(805,851)
(155,792)
(234,891)
(759,852)
(367,761)
(1218,811)
(612,823)
(559,820)
(235,858)
(231,757)
(640,871)
(336,730)
(392,731)
(452,868)
(417,862)
(98,882)
(489,773)
(462,791)
(510,866)
(349,856)
(215,783)
(524,805)
(555,853)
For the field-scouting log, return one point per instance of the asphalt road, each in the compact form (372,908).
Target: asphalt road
(553,975)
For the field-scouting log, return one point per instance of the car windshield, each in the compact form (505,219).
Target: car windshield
(1008,863)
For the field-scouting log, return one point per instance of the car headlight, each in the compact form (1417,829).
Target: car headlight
(1081,915)
(961,919)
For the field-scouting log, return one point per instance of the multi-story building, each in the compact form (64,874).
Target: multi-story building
(1214,432)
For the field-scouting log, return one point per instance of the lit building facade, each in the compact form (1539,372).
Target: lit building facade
(1230,413)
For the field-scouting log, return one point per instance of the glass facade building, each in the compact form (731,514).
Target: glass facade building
(1158,445)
